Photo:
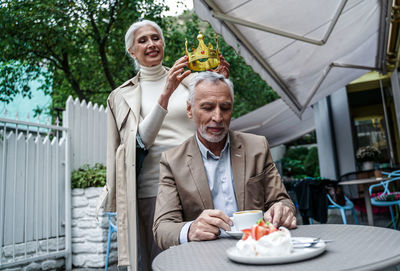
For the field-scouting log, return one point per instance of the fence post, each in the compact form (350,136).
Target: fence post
(68,238)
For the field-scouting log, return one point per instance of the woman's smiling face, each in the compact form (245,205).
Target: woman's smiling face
(148,47)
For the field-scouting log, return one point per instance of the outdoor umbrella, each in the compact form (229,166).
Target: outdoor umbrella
(305,50)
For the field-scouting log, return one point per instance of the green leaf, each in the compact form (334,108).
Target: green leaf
(87,176)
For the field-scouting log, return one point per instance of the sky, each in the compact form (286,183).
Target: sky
(24,106)
(178,6)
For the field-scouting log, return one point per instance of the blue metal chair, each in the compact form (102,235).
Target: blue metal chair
(111,229)
(393,173)
(343,208)
(380,199)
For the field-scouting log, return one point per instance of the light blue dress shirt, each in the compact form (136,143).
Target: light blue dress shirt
(220,180)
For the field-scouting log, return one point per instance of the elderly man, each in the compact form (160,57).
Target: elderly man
(216,172)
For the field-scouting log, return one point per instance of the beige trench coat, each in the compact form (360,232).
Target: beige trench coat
(123,117)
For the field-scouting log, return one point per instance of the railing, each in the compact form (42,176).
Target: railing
(88,132)
(36,160)
(35,216)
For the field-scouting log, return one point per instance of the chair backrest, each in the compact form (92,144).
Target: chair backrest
(336,194)
(348,203)
(393,173)
(384,185)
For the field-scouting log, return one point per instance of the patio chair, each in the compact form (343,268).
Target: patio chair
(111,229)
(391,174)
(343,208)
(386,198)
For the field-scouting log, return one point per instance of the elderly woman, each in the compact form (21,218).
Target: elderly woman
(148,110)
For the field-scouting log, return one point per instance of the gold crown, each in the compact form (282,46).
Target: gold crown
(203,58)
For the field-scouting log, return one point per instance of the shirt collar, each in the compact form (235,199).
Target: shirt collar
(206,153)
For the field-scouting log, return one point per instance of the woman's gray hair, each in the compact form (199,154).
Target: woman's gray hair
(210,77)
(130,35)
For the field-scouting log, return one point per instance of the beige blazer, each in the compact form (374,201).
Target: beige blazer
(184,193)
(123,117)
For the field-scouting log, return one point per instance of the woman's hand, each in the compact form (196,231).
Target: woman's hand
(223,67)
(175,76)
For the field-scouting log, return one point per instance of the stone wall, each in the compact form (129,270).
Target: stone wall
(89,236)
(89,239)
(42,246)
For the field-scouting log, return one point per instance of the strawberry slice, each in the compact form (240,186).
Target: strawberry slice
(261,223)
(253,231)
(246,233)
(271,228)
(258,231)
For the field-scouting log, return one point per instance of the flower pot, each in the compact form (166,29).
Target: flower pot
(367,165)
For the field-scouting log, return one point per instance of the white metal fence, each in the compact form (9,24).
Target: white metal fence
(88,127)
(35,190)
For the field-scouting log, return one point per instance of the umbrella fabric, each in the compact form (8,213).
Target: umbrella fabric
(277,122)
(342,40)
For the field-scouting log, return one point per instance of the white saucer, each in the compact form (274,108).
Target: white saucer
(235,234)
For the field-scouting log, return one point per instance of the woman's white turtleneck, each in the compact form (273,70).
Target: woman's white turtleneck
(160,129)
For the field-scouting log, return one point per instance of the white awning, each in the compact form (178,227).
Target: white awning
(305,50)
(276,122)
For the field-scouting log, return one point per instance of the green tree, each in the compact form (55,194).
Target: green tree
(251,92)
(311,164)
(293,161)
(77,46)
(300,162)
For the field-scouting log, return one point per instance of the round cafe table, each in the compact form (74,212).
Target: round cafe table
(354,247)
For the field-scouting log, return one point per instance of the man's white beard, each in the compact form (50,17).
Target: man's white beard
(212,138)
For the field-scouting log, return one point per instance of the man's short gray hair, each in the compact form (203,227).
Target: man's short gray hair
(130,35)
(212,77)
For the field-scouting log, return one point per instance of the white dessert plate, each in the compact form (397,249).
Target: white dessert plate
(297,254)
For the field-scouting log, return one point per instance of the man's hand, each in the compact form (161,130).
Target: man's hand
(280,215)
(206,226)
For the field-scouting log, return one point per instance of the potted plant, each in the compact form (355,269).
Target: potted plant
(368,155)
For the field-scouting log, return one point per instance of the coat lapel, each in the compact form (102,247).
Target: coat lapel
(198,174)
(132,94)
(238,168)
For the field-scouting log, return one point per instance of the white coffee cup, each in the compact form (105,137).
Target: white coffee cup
(246,219)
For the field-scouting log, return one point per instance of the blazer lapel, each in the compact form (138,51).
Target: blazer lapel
(132,95)
(198,173)
(238,168)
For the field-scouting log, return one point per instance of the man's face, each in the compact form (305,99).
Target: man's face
(211,111)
